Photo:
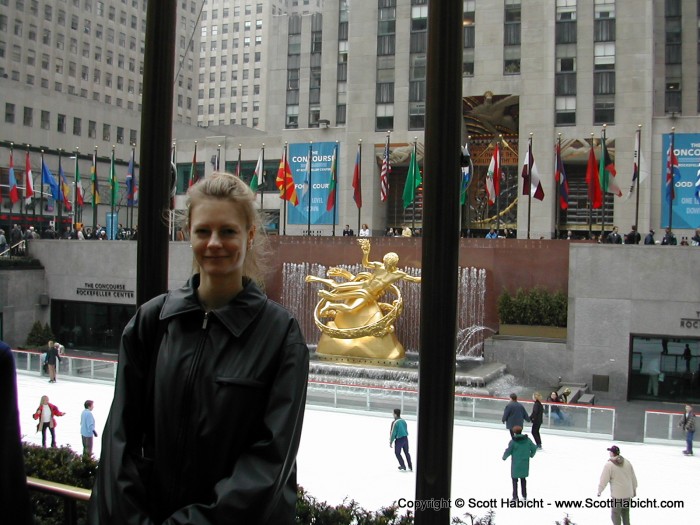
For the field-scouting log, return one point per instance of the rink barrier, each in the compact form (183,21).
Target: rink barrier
(470,409)
(661,427)
(579,419)
(94,369)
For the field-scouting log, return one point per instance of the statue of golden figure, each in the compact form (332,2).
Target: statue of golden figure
(360,325)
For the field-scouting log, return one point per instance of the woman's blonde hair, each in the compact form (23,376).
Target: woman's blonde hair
(224,186)
(537,395)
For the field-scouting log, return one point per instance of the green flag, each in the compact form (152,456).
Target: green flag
(114,184)
(413,180)
(257,179)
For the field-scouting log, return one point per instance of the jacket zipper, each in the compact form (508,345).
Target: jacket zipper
(187,409)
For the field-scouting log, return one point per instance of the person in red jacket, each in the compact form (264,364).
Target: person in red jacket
(46,416)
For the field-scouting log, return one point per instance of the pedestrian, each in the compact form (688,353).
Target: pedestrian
(536,418)
(614,237)
(347,232)
(14,496)
(669,238)
(398,436)
(520,449)
(3,242)
(687,423)
(514,415)
(619,473)
(46,415)
(52,359)
(695,239)
(633,236)
(492,234)
(687,356)
(209,397)
(649,239)
(87,427)
(365,231)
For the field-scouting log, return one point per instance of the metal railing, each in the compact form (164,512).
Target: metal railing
(74,367)
(69,494)
(19,249)
(662,427)
(589,420)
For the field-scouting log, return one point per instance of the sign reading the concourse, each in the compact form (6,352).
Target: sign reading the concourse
(90,290)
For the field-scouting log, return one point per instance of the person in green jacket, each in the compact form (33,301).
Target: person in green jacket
(520,449)
(399,437)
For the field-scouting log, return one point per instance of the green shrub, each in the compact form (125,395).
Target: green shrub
(35,338)
(536,306)
(61,465)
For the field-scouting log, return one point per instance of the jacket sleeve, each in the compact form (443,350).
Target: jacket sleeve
(259,478)
(508,451)
(604,478)
(119,493)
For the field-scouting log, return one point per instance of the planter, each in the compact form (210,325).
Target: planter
(533,331)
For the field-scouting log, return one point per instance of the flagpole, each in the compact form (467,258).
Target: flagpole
(112,183)
(498,191)
(590,204)
(284,212)
(413,204)
(639,173)
(133,186)
(218,158)
(670,169)
(261,183)
(466,197)
(605,189)
(12,166)
(557,214)
(529,181)
(334,179)
(94,191)
(75,188)
(41,195)
(59,204)
(308,177)
(238,166)
(359,176)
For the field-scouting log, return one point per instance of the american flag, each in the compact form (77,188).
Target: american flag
(384,174)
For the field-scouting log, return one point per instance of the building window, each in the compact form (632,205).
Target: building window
(565,111)
(61,123)
(45,119)
(28,116)
(9,113)
(106,132)
(92,129)
(384,117)
(77,124)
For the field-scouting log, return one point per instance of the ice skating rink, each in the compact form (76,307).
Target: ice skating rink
(345,456)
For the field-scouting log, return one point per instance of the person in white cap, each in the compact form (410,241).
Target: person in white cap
(619,472)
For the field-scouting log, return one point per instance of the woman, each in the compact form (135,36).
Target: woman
(209,398)
(687,423)
(52,360)
(536,418)
(554,410)
(365,231)
(46,415)
(520,450)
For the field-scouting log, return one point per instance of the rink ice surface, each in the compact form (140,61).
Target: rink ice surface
(346,456)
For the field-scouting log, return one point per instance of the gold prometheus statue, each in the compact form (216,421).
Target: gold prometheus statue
(354,316)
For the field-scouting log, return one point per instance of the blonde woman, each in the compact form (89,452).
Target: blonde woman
(46,415)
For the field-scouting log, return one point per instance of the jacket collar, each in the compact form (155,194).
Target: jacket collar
(236,316)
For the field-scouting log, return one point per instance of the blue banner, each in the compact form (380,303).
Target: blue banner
(686,207)
(313,193)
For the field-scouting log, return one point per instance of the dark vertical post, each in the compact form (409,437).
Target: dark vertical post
(359,176)
(528,180)
(261,184)
(156,140)
(638,160)
(41,195)
(590,204)
(557,182)
(334,180)
(670,174)
(601,177)
(308,189)
(443,131)
(415,189)
(284,190)
(60,202)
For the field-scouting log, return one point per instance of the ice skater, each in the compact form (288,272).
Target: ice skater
(520,449)
(687,423)
(46,414)
(514,415)
(399,438)
(623,485)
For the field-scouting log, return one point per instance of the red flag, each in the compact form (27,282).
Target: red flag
(493,176)
(357,179)
(14,192)
(285,181)
(560,177)
(28,182)
(531,177)
(595,193)
(384,174)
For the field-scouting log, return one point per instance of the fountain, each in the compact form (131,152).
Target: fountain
(473,375)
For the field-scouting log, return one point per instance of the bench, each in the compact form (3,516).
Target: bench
(587,399)
(573,397)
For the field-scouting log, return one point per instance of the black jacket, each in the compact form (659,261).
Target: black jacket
(537,412)
(215,440)
(514,415)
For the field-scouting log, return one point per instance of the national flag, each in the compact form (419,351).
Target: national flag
(49,179)
(531,177)
(65,188)
(28,181)
(607,172)
(595,194)
(193,168)
(673,173)
(79,196)
(14,192)
(560,177)
(384,174)
(93,178)
(130,181)
(330,202)
(357,178)
(285,181)
(413,180)
(258,175)
(493,176)
(113,182)
(639,168)
(466,175)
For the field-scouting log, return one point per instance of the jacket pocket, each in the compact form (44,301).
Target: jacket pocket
(239,381)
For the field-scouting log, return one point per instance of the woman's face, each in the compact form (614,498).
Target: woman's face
(220,237)
(553,395)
